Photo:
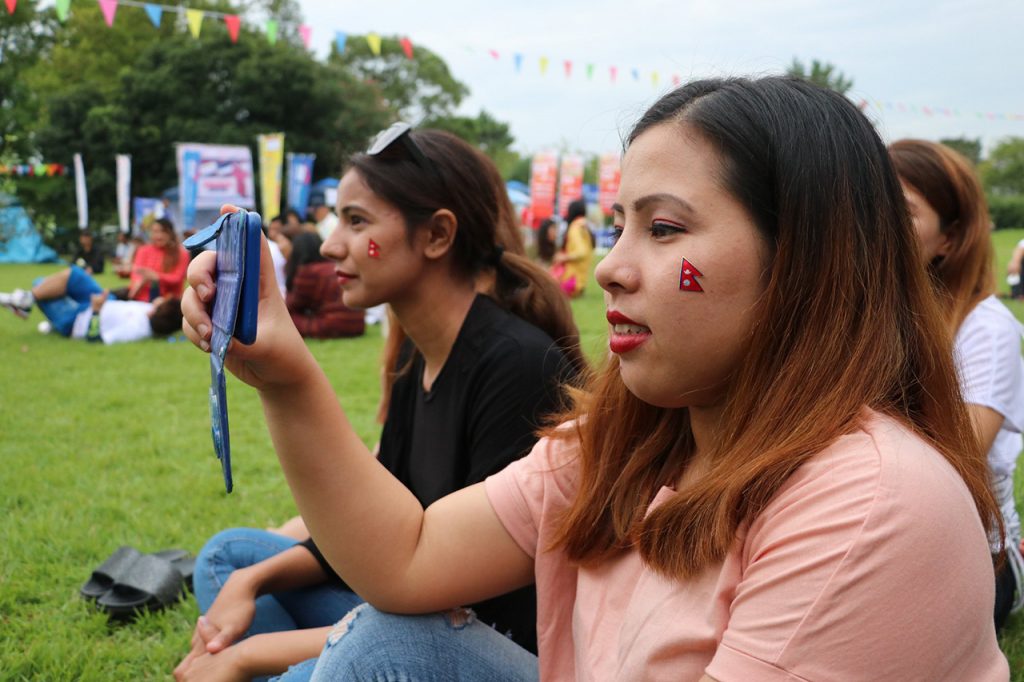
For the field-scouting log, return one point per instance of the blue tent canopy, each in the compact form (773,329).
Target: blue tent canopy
(20,242)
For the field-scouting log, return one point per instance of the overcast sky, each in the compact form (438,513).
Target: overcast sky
(963,55)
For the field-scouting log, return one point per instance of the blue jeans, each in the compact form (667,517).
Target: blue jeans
(444,647)
(308,607)
(61,312)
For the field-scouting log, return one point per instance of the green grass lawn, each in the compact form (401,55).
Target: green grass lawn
(103,446)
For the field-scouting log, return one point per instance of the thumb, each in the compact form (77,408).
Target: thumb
(216,639)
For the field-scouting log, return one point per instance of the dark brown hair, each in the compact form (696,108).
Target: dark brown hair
(847,321)
(172,252)
(946,180)
(488,247)
(166,317)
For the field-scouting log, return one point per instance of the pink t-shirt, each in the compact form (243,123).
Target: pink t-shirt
(870,563)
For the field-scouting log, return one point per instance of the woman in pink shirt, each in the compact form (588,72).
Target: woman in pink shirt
(159,267)
(773,477)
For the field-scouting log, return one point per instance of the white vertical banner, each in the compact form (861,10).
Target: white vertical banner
(82,199)
(124,184)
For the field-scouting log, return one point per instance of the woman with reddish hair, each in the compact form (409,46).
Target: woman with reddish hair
(159,267)
(949,212)
(773,476)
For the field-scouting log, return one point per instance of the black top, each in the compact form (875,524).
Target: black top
(502,377)
(92,259)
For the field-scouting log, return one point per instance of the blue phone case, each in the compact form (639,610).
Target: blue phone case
(235,305)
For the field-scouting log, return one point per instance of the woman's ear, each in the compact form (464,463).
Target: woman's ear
(441,229)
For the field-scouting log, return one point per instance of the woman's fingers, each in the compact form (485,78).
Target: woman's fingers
(228,208)
(197,298)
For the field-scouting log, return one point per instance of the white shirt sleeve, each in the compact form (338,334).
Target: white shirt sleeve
(987,352)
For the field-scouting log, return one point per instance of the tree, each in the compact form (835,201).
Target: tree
(25,36)
(1003,172)
(418,89)
(821,73)
(970,149)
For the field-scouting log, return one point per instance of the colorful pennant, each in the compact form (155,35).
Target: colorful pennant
(11,6)
(406,47)
(373,40)
(155,13)
(306,33)
(109,8)
(195,21)
(62,9)
(232,22)
(271,31)
(339,41)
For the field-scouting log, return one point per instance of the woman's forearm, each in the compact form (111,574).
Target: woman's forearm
(364,521)
(272,653)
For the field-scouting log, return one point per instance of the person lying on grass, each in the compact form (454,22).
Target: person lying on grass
(773,477)
(76,306)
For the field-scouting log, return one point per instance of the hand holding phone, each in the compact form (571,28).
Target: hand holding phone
(235,308)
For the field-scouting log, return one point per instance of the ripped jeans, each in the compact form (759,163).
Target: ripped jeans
(368,644)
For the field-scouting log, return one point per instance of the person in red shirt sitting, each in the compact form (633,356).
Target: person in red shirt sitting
(160,266)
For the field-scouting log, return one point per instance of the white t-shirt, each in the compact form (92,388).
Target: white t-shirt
(991,371)
(120,321)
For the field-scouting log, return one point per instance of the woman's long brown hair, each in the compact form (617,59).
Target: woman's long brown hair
(847,321)
(488,247)
(946,180)
(172,252)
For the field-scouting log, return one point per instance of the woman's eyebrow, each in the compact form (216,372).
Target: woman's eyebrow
(661,198)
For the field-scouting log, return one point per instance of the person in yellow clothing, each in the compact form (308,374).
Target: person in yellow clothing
(572,263)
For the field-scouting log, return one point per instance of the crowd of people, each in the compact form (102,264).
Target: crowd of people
(796,460)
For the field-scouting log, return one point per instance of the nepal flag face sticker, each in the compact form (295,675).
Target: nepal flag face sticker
(688,277)
(373,250)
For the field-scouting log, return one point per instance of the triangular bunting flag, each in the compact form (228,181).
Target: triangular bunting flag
(11,6)
(109,8)
(306,33)
(518,59)
(568,67)
(406,47)
(232,22)
(62,9)
(155,13)
(543,65)
(590,71)
(339,41)
(40,169)
(675,80)
(636,74)
(654,78)
(271,31)
(373,40)
(195,21)
(494,53)
(613,72)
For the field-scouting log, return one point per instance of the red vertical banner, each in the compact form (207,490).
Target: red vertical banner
(608,175)
(543,176)
(570,182)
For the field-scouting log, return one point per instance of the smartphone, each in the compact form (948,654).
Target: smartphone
(234,314)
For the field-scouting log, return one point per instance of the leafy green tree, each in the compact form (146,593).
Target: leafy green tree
(821,73)
(969,148)
(25,37)
(1003,172)
(418,89)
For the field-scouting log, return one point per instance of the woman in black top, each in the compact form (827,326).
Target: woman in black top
(482,342)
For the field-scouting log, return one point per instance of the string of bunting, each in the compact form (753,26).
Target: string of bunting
(544,64)
(34,170)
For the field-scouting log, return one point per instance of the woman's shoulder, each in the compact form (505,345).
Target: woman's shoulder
(884,473)
(989,314)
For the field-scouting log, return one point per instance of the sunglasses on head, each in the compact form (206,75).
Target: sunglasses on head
(399,133)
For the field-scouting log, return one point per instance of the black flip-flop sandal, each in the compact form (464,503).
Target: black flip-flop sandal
(150,584)
(109,572)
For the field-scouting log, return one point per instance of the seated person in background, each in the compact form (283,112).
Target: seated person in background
(1013,271)
(124,250)
(314,294)
(160,266)
(124,261)
(79,308)
(547,241)
(89,255)
(279,256)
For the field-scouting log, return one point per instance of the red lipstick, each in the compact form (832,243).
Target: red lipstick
(626,339)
